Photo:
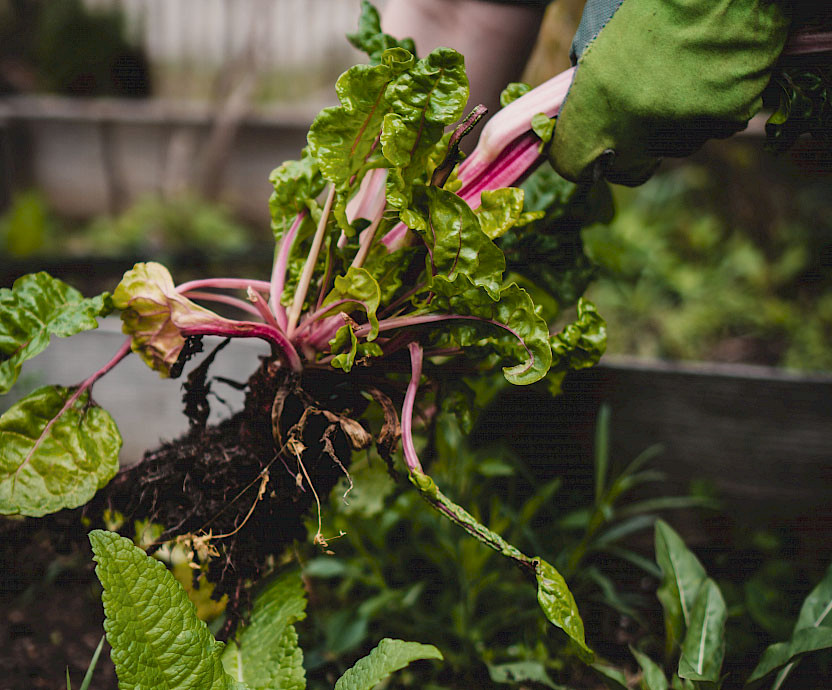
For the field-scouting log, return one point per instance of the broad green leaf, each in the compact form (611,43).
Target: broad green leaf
(296,185)
(817,607)
(613,677)
(35,308)
(54,452)
(778,655)
(579,345)
(520,671)
(703,648)
(356,289)
(424,101)
(500,210)
(154,314)
(456,243)
(682,576)
(652,675)
(371,39)
(512,92)
(388,657)
(265,652)
(559,605)
(388,269)
(158,642)
(523,334)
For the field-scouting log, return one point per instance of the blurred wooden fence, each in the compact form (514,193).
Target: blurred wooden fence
(290,40)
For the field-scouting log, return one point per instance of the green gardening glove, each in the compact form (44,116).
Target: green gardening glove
(658,78)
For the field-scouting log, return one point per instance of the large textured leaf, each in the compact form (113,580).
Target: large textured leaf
(296,184)
(388,657)
(524,336)
(703,648)
(265,654)
(456,243)
(559,605)
(356,290)
(682,576)
(423,100)
(371,39)
(158,642)
(579,345)
(53,454)
(502,209)
(35,308)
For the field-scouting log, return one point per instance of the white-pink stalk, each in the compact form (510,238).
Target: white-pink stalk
(222,299)
(262,308)
(410,457)
(309,266)
(279,269)
(227,283)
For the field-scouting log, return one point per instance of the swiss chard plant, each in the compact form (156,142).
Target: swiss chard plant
(400,269)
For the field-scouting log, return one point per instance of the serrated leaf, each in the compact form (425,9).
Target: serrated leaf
(35,308)
(703,648)
(559,605)
(652,675)
(371,39)
(388,657)
(53,458)
(265,653)
(682,576)
(157,640)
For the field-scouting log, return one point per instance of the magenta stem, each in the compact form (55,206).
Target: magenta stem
(249,329)
(223,299)
(410,457)
(279,270)
(227,283)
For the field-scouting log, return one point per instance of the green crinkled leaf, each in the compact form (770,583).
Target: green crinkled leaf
(153,314)
(371,39)
(456,243)
(388,657)
(357,289)
(559,605)
(35,308)
(500,210)
(526,337)
(424,101)
(49,462)
(296,185)
(579,345)
(388,269)
(265,653)
(682,576)
(157,640)
(544,127)
(512,92)
(344,337)
(652,675)
(703,648)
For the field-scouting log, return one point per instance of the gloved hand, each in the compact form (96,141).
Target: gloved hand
(658,78)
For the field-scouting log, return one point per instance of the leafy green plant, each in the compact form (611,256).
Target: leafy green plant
(159,642)
(695,614)
(388,280)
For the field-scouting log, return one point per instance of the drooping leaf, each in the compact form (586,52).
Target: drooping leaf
(520,671)
(783,654)
(51,457)
(703,648)
(35,308)
(560,608)
(158,642)
(652,675)
(388,657)
(682,576)
(522,334)
(153,314)
(456,243)
(265,653)
(356,289)
(371,39)
(424,101)
(344,336)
